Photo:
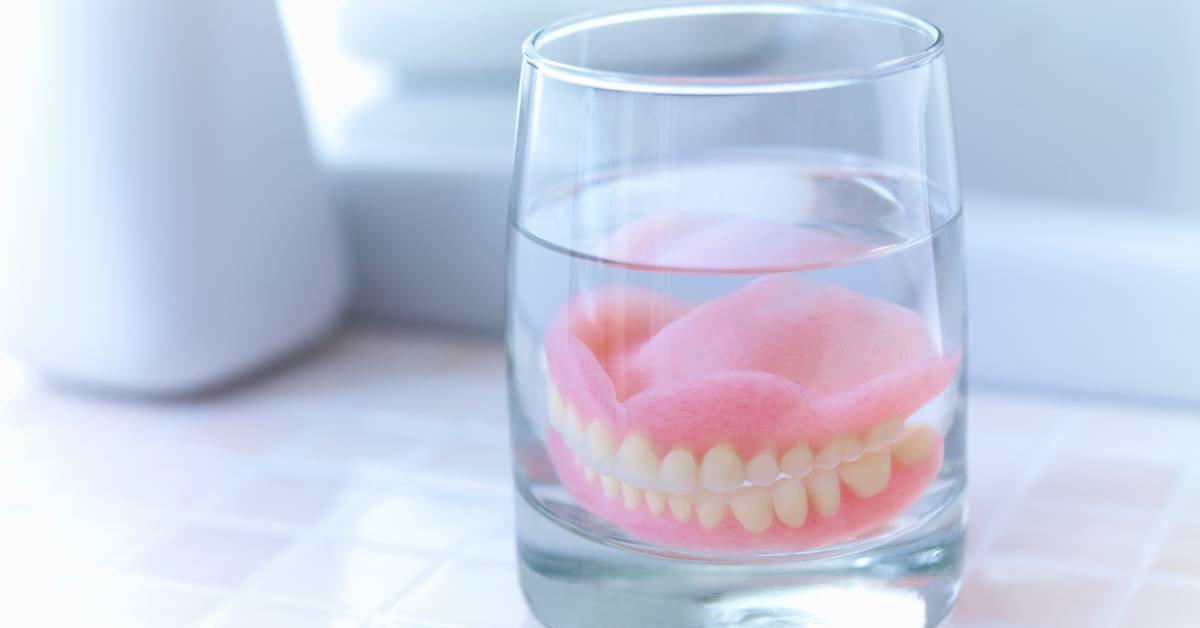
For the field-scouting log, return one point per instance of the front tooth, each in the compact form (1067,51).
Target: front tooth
(868,475)
(762,470)
(710,508)
(681,507)
(555,403)
(824,490)
(677,475)
(636,462)
(791,502)
(632,496)
(572,430)
(885,433)
(751,506)
(798,461)
(589,474)
(722,470)
(656,502)
(611,485)
(599,446)
(917,442)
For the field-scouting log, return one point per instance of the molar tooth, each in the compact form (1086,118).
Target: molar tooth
(762,470)
(681,507)
(798,461)
(677,475)
(885,433)
(555,403)
(656,502)
(721,471)
(632,496)
(599,446)
(831,455)
(636,462)
(572,430)
(838,450)
(852,448)
(826,494)
(710,508)
(589,474)
(915,445)
(791,502)
(751,506)
(868,475)
(611,485)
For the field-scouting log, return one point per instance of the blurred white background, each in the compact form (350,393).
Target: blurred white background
(1071,100)
(1079,132)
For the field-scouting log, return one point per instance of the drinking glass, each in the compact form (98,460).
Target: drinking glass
(735,319)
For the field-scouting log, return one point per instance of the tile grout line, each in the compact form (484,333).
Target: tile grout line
(1032,473)
(179,515)
(229,596)
(1167,516)
(395,606)
(307,535)
(177,518)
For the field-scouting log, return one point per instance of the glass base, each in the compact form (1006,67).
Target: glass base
(574,582)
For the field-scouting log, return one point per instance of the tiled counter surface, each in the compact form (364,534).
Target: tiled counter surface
(368,485)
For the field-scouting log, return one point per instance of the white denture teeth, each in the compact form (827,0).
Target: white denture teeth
(710,508)
(825,492)
(852,448)
(677,473)
(791,502)
(631,495)
(612,486)
(869,475)
(600,448)
(790,487)
(885,433)
(752,508)
(762,470)
(554,403)
(681,507)
(722,471)
(636,462)
(656,502)
(838,451)
(915,445)
(797,462)
(572,431)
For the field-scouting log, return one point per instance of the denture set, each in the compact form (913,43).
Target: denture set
(774,418)
(756,490)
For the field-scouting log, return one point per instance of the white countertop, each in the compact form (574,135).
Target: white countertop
(368,485)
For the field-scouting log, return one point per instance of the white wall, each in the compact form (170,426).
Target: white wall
(1079,133)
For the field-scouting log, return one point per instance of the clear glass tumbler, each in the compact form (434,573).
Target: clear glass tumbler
(735,320)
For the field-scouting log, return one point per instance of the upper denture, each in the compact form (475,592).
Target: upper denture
(780,362)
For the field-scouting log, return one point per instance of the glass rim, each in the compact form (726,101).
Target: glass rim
(728,85)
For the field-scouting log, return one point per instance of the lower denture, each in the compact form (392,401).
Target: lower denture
(770,419)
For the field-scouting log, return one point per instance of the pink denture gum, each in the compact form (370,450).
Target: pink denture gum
(769,419)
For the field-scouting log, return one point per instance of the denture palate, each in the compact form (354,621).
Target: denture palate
(790,483)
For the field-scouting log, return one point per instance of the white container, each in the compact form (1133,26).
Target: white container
(163,225)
